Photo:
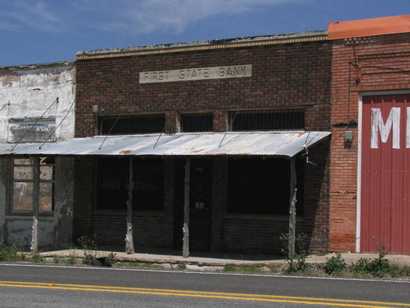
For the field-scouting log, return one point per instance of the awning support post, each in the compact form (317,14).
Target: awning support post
(129,238)
(292,210)
(36,200)
(185,229)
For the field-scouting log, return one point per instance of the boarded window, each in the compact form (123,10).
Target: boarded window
(22,189)
(124,125)
(267,120)
(202,122)
(261,186)
(113,184)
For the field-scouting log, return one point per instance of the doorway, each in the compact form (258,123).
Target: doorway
(200,204)
(385,170)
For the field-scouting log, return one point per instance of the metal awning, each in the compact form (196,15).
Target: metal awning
(269,143)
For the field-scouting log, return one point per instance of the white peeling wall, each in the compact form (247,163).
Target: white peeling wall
(30,91)
(3,197)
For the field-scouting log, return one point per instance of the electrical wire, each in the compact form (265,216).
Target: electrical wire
(4,106)
(225,132)
(109,132)
(156,142)
(59,124)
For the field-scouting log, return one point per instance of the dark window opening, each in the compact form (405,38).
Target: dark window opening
(197,122)
(261,186)
(131,125)
(245,121)
(112,184)
(149,184)
(113,177)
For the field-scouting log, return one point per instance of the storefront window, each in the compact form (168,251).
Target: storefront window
(200,122)
(267,120)
(129,125)
(114,179)
(23,184)
(261,186)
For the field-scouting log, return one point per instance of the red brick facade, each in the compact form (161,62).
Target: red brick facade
(361,65)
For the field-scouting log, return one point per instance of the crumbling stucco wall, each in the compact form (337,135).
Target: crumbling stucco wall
(55,231)
(3,172)
(26,101)
(37,105)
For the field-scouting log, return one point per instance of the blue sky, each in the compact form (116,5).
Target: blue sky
(41,31)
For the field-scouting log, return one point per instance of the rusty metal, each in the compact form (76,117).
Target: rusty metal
(270,143)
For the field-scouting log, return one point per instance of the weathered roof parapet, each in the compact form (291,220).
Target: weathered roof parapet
(206,45)
(36,67)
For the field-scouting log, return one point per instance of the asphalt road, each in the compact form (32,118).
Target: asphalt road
(53,286)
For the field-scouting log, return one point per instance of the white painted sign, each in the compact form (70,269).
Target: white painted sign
(390,126)
(202,73)
(378,125)
(32,129)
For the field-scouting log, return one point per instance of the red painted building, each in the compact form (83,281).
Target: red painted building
(370,157)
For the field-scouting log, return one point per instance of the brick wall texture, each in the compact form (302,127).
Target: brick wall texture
(359,66)
(285,77)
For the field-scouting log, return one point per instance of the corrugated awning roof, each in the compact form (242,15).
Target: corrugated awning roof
(272,143)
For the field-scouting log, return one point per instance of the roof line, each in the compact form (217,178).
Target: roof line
(22,67)
(314,36)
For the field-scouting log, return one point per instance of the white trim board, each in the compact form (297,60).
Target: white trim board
(359,173)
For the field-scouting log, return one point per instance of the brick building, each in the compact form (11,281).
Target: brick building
(237,204)
(199,147)
(369,205)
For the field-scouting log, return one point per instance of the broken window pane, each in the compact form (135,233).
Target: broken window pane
(23,196)
(23,187)
(46,198)
(22,162)
(46,173)
(23,173)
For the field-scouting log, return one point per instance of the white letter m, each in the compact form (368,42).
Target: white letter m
(393,121)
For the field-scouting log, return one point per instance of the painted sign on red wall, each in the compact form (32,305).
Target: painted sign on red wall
(385,174)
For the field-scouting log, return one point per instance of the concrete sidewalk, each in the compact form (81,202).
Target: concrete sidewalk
(212,261)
